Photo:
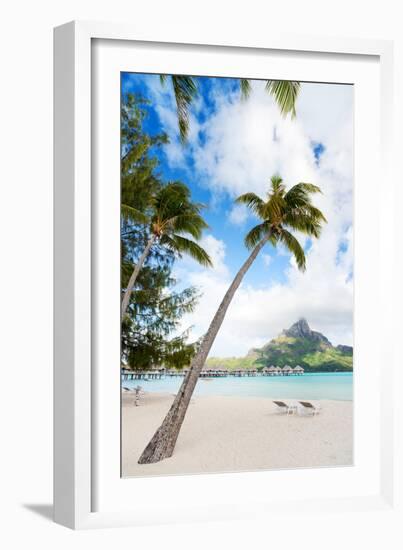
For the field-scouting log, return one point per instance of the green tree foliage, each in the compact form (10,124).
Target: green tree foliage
(154,313)
(155,308)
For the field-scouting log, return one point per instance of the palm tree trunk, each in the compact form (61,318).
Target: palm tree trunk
(134,275)
(163,442)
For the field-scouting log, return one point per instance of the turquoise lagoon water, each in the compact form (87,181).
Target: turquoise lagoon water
(338,386)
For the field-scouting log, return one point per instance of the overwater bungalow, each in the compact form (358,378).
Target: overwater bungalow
(242,372)
(211,372)
(298,370)
(267,371)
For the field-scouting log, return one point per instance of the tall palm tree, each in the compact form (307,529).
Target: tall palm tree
(172,219)
(280,212)
(284,92)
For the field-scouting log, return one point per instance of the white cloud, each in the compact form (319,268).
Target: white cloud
(216,250)
(258,314)
(267,259)
(213,284)
(244,144)
(238,214)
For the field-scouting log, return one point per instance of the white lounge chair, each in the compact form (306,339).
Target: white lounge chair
(283,408)
(138,392)
(308,408)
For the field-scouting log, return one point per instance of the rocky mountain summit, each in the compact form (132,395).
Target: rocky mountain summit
(301,329)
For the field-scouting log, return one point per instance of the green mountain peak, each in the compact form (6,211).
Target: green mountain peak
(297,345)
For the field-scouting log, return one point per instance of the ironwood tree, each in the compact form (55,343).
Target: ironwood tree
(155,308)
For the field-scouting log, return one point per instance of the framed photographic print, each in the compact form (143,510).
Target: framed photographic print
(218,269)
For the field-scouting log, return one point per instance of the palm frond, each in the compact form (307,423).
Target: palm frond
(300,193)
(292,244)
(277,183)
(285,93)
(132,214)
(182,245)
(274,208)
(176,213)
(252,201)
(170,199)
(185,89)
(246,88)
(190,222)
(256,234)
(303,222)
(300,213)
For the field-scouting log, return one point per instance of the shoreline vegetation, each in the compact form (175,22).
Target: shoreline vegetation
(296,351)
(228,434)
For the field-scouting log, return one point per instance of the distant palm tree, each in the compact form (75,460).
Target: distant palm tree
(280,212)
(284,92)
(172,218)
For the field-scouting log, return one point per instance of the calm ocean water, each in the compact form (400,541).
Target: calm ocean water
(309,386)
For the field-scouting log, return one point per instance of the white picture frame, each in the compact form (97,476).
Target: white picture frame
(80,430)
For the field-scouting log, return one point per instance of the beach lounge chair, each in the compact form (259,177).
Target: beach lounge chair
(309,408)
(138,392)
(283,408)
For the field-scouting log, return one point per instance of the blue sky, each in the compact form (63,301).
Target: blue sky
(235,146)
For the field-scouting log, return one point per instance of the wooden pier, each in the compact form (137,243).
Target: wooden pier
(142,375)
(212,373)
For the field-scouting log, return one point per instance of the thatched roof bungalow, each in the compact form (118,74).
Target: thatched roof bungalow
(298,370)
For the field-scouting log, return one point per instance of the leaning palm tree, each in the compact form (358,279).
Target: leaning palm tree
(284,92)
(280,212)
(172,219)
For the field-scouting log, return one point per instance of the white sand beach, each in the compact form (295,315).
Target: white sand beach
(224,434)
